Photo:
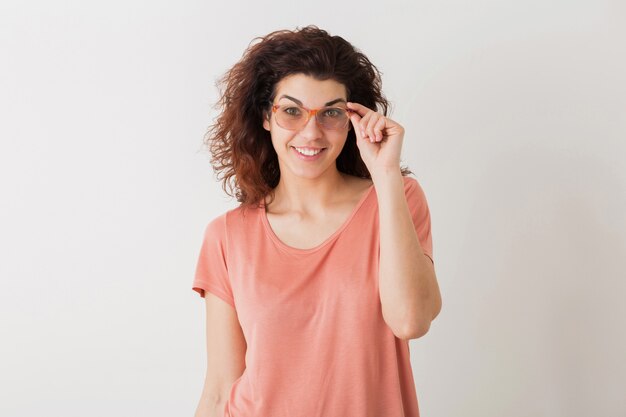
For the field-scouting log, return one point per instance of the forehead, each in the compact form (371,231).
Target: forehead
(309,90)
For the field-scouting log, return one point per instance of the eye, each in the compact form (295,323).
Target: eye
(292,111)
(333,112)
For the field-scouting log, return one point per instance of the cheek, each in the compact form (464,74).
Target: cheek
(280,139)
(341,138)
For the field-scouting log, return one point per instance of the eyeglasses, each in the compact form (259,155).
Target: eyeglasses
(294,117)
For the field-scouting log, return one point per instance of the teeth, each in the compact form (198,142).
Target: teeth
(308,152)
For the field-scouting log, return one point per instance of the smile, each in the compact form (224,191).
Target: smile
(309,151)
(308,154)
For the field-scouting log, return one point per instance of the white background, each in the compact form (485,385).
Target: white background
(515,118)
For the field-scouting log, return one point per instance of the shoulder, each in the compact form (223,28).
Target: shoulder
(410,183)
(234,222)
(218,225)
(413,189)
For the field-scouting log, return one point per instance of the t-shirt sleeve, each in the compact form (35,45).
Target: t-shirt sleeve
(418,206)
(212,266)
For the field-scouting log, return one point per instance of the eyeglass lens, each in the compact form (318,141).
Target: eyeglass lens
(294,117)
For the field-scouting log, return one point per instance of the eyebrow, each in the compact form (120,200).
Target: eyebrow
(337,100)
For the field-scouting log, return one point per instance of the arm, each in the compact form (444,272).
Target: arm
(409,292)
(226,349)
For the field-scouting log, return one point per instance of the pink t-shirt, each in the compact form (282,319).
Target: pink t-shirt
(317,344)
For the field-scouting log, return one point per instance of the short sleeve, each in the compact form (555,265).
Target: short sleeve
(212,266)
(418,206)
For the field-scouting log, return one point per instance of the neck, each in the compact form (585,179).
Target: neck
(306,195)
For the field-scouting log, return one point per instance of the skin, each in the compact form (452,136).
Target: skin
(408,287)
(309,188)
(409,292)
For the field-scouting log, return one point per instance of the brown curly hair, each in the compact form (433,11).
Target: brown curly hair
(242,155)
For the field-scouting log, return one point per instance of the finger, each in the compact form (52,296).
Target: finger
(359,108)
(379,127)
(364,123)
(355,119)
(371,127)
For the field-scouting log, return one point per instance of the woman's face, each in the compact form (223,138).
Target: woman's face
(305,91)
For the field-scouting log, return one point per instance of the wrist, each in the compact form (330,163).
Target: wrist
(386,174)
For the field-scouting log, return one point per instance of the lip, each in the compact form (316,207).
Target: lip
(307,148)
(307,157)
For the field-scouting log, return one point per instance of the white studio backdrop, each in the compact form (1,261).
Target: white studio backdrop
(515,119)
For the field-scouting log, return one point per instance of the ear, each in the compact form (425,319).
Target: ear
(266,121)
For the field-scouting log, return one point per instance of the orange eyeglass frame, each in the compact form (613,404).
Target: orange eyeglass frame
(313,112)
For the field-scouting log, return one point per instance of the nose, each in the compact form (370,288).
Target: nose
(311,129)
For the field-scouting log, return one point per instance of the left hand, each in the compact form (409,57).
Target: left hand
(378,138)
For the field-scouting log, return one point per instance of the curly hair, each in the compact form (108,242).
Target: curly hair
(242,155)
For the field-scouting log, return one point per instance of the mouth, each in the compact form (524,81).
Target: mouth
(308,154)
(308,151)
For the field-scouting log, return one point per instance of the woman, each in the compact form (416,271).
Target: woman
(315,283)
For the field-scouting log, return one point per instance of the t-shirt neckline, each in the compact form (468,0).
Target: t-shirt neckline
(287,248)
